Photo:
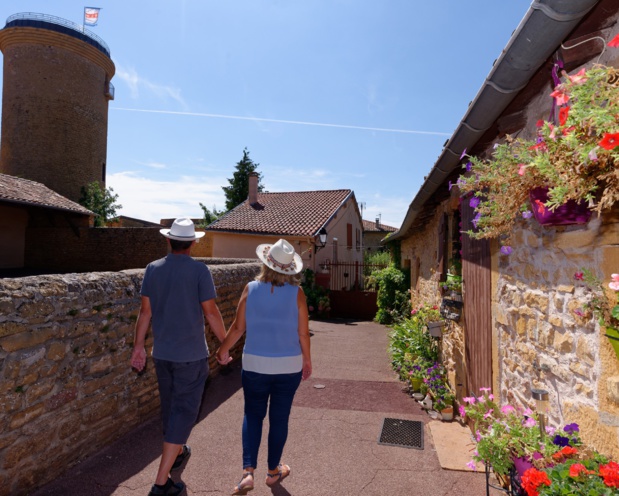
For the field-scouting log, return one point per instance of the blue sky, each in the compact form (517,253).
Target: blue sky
(325,94)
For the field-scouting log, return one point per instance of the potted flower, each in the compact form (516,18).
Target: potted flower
(578,472)
(508,436)
(569,162)
(430,317)
(444,402)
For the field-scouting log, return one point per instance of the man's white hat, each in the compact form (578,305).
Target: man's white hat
(182,230)
(280,257)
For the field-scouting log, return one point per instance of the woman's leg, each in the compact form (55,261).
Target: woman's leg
(282,393)
(256,393)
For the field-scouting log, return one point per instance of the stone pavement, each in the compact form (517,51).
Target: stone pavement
(332,446)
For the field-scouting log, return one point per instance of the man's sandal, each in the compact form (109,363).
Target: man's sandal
(244,488)
(283,471)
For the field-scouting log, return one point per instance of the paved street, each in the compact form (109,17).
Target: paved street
(332,445)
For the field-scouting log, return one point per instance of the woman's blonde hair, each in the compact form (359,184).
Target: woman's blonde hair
(277,278)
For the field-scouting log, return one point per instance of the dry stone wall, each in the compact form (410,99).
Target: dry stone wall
(66,386)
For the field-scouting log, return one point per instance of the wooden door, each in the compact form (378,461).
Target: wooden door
(476,276)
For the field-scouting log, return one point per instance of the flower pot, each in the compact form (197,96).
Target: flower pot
(416,383)
(613,337)
(418,396)
(571,212)
(522,464)
(448,414)
(426,404)
(436,328)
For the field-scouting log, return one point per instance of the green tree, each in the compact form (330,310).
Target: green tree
(100,201)
(238,191)
(210,216)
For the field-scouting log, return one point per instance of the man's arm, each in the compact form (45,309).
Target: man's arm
(214,319)
(138,357)
(235,332)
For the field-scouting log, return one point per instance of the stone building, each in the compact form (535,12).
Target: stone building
(519,329)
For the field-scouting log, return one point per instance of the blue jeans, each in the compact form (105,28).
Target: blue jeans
(257,390)
(181,386)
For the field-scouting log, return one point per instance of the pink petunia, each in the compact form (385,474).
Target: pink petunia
(593,156)
(472,465)
(491,396)
(614,284)
(530,422)
(527,412)
(469,399)
(507,409)
(522,169)
(462,411)
(488,414)
(578,78)
(550,430)
(485,389)
(560,95)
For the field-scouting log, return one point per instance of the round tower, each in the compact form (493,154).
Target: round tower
(56,89)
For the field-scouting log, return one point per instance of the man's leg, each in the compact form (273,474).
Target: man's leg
(169,454)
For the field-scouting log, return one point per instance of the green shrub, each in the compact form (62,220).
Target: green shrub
(393,298)
(318,302)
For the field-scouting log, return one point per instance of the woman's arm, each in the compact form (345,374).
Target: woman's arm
(235,332)
(304,334)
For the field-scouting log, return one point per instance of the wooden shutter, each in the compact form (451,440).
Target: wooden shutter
(349,236)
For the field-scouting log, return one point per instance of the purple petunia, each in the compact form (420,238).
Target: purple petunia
(527,214)
(463,154)
(468,166)
(474,202)
(571,428)
(506,250)
(476,219)
(561,441)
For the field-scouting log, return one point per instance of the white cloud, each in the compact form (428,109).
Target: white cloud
(136,83)
(146,199)
(154,165)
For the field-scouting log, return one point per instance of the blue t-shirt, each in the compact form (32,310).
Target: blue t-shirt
(176,286)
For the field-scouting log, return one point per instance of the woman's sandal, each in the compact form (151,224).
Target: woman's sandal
(241,488)
(283,471)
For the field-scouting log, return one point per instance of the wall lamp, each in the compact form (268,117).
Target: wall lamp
(541,405)
(321,242)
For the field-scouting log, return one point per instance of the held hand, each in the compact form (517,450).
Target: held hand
(138,358)
(223,358)
(307,371)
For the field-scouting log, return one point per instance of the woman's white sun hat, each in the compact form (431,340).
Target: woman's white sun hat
(280,257)
(182,230)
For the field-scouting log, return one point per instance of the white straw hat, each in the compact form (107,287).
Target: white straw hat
(280,257)
(182,230)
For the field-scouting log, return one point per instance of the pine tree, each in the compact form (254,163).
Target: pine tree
(238,191)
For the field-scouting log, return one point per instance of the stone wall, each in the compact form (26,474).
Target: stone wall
(56,249)
(542,339)
(66,385)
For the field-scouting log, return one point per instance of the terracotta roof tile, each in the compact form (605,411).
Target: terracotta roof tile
(369,226)
(23,191)
(300,213)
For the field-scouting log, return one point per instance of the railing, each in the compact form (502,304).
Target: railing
(32,19)
(351,276)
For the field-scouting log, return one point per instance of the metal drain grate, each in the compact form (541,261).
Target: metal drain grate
(405,433)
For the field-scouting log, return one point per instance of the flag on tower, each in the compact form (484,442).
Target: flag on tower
(91,16)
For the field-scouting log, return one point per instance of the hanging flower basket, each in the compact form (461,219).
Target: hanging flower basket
(571,212)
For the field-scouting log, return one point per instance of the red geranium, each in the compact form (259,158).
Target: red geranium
(614,42)
(579,469)
(610,474)
(563,113)
(609,141)
(532,479)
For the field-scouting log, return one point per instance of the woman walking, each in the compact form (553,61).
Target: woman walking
(276,357)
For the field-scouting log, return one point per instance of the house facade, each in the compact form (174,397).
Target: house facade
(374,233)
(522,324)
(299,217)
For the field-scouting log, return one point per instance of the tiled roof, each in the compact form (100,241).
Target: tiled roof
(300,213)
(25,192)
(369,226)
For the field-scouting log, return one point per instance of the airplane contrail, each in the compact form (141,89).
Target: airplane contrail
(280,121)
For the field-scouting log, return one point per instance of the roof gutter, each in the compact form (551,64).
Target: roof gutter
(540,33)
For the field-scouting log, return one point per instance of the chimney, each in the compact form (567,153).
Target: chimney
(377,222)
(253,188)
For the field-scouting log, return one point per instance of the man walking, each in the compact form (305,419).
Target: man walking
(177,294)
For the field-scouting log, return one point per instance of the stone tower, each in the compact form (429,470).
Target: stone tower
(56,89)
